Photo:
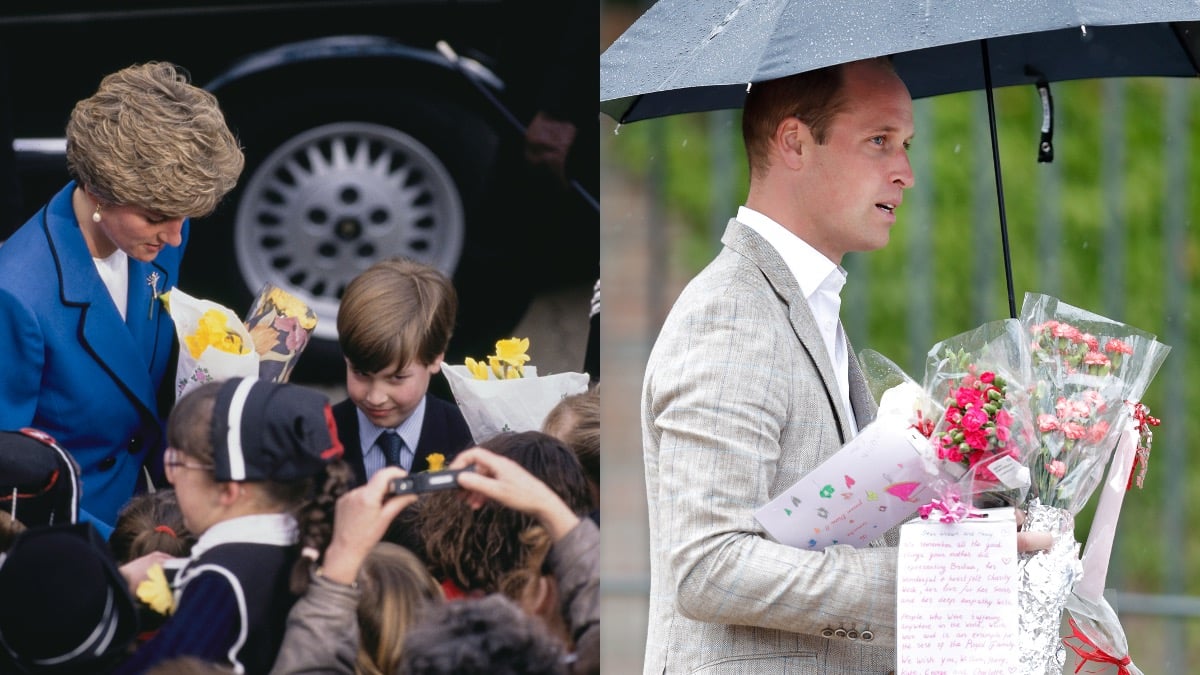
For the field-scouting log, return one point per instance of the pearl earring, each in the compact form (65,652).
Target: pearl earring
(96,214)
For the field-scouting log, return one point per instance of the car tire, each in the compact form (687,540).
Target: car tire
(335,182)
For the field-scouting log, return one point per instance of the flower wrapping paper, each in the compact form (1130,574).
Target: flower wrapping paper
(492,406)
(190,316)
(280,325)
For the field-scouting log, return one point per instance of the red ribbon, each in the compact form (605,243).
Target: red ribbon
(1141,415)
(166,529)
(1096,654)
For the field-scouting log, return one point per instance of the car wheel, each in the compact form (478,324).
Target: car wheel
(333,200)
(324,200)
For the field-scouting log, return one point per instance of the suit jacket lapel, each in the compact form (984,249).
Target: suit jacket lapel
(102,332)
(753,247)
(142,308)
(861,398)
(345,416)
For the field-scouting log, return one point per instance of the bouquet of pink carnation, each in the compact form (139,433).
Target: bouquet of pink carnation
(1085,367)
(1088,372)
(974,409)
(981,430)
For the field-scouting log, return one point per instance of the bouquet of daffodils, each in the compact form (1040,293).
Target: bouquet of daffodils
(505,393)
(1089,372)
(214,344)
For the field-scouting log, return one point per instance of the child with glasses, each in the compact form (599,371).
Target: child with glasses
(256,467)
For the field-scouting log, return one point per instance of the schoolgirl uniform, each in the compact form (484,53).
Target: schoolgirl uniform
(232,594)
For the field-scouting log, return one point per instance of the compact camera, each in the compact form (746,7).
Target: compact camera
(428,481)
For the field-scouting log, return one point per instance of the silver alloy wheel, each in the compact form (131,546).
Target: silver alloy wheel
(331,201)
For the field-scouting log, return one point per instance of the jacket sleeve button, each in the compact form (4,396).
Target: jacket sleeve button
(867,635)
(841,632)
(853,635)
(828,632)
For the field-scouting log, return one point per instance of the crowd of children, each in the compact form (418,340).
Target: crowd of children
(277,545)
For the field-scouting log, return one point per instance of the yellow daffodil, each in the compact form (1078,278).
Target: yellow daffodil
(478,369)
(156,592)
(211,331)
(508,363)
(513,351)
(165,299)
(437,461)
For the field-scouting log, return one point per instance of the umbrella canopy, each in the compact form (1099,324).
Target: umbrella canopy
(696,55)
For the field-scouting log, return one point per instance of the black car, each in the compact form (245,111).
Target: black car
(371,128)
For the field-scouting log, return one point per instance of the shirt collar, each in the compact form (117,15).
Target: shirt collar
(279,529)
(409,429)
(813,271)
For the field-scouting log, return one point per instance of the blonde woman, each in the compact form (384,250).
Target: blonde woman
(86,342)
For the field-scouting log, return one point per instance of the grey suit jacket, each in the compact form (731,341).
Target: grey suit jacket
(739,402)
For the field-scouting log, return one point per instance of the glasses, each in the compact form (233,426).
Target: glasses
(173,459)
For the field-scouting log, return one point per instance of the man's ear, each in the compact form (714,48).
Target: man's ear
(792,141)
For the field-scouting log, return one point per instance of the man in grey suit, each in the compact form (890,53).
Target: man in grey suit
(752,383)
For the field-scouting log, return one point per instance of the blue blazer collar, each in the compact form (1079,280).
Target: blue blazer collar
(126,349)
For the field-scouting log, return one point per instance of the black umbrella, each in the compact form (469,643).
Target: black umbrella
(698,55)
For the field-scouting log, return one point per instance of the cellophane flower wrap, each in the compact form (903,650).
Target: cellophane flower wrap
(504,393)
(280,325)
(214,344)
(980,429)
(1086,368)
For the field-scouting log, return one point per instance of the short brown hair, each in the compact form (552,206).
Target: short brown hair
(397,311)
(814,97)
(150,138)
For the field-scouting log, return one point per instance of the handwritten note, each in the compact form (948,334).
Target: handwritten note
(957,611)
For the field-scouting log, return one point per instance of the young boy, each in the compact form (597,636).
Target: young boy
(394,324)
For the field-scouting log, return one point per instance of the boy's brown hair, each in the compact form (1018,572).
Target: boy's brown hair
(396,312)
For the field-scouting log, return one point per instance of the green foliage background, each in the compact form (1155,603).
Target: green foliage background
(1110,257)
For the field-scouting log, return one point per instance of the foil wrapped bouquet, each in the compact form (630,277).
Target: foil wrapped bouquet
(1090,373)
(1030,413)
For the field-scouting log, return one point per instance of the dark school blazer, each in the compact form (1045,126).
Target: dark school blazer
(443,430)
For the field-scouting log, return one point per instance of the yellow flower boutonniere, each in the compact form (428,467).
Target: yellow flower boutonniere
(437,461)
(156,592)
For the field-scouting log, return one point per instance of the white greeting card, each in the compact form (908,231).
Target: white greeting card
(869,486)
(956,596)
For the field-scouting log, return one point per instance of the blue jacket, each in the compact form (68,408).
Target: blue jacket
(71,367)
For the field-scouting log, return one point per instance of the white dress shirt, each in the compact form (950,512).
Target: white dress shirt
(821,281)
(409,430)
(114,272)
